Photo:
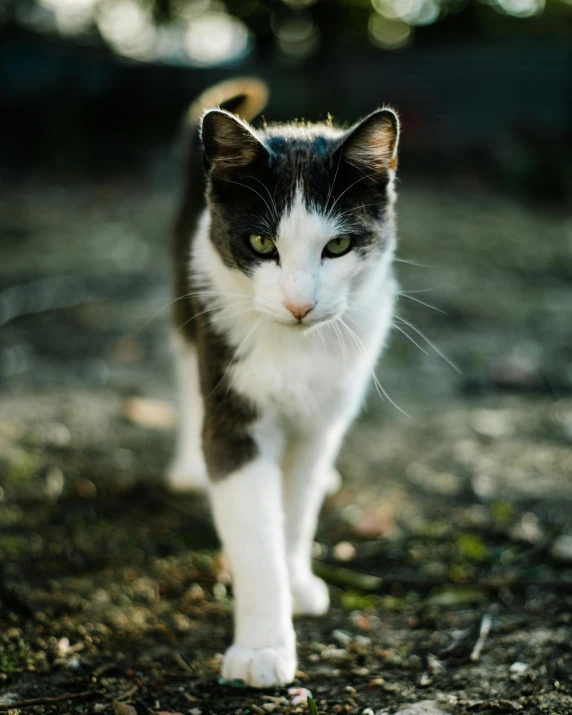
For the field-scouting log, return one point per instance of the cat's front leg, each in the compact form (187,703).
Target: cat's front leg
(247,506)
(308,476)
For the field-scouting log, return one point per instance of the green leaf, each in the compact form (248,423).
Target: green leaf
(312,709)
(450,596)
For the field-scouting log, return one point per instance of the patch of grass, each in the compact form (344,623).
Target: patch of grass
(13,655)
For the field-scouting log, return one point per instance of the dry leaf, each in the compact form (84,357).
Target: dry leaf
(152,414)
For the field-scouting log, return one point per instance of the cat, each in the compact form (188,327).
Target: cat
(284,295)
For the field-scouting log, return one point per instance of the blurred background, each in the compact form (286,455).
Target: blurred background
(483,86)
(458,510)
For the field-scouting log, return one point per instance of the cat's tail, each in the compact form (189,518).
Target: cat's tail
(244,96)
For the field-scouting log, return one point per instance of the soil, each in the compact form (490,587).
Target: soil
(448,549)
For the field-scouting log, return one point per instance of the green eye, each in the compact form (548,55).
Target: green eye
(262,244)
(338,245)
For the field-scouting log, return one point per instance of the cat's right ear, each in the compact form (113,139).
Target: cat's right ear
(229,143)
(371,145)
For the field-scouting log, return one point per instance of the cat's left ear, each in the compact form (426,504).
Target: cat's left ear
(371,145)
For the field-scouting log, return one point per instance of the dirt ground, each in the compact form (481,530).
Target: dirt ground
(448,550)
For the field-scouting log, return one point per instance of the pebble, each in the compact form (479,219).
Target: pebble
(343,637)
(335,654)
(562,548)
(9,698)
(123,709)
(299,695)
(86,489)
(424,707)
(491,423)
(54,484)
(518,668)
(344,551)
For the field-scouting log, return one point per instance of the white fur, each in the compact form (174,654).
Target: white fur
(188,471)
(307,381)
(249,518)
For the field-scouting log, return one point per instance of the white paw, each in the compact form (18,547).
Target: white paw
(310,596)
(187,475)
(261,667)
(333,481)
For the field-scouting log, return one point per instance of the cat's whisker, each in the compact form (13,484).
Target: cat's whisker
(238,183)
(340,340)
(209,310)
(422,302)
(410,338)
(425,290)
(345,191)
(274,207)
(356,208)
(381,391)
(430,343)
(331,188)
(410,263)
(226,317)
(181,297)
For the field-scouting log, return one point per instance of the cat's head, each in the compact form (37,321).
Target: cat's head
(299,212)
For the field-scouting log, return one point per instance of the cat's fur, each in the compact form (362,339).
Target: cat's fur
(266,397)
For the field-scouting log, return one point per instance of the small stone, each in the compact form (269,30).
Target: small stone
(269,707)
(367,711)
(344,551)
(518,668)
(196,593)
(86,489)
(364,641)
(62,647)
(299,695)
(343,637)
(9,698)
(54,484)
(219,591)
(435,665)
(335,654)
(58,434)
(491,423)
(424,707)
(151,414)
(360,620)
(123,709)
(562,548)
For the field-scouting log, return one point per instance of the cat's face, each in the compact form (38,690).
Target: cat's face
(299,213)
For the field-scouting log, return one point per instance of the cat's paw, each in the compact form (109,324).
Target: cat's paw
(310,596)
(333,481)
(187,475)
(260,667)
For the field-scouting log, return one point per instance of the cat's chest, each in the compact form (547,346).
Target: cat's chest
(303,376)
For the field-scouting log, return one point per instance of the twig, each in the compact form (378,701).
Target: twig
(486,624)
(47,701)
(127,694)
(178,658)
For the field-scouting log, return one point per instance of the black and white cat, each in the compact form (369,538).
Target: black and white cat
(285,294)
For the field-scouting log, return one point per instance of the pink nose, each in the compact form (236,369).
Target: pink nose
(299,311)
